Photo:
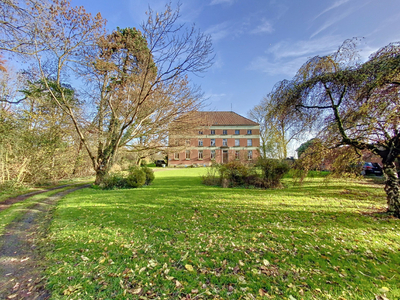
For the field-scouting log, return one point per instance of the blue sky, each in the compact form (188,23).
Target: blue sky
(260,42)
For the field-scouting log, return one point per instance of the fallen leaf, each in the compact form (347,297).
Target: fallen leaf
(136,291)
(178,284)
(189,268)
(384,289)
(266,262)
(84,258)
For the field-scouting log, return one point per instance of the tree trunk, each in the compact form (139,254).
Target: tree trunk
(392,188)
(100,174)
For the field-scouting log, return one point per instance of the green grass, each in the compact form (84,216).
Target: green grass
(177,238)
(18,209)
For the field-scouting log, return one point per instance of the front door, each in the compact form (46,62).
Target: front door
(224,156)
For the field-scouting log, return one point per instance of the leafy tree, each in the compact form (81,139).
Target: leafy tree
(278,128)
(354,104)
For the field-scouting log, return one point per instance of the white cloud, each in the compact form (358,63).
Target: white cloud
(215,2)
(264,27)
(331,21)
(219,31)
(213,97)
(287,57)
(287,68)
(319,46)
(334,5)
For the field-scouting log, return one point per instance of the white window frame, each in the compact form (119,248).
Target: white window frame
(212,142)
(237,142)
(176,155)
(200,154)
(224,132)
(250,154)
(237,131)
(249,131)
(200,143)
(212,132)
(237,154)
(225,142)
(213,153)
(187,154)
(249,142)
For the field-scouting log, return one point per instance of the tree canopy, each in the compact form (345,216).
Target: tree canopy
(352,103)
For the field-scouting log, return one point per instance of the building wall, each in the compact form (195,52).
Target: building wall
(212,140)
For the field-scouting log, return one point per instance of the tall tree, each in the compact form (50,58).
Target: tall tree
(278,128)
(354,104)
(138,79)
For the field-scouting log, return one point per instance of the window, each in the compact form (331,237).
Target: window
(200,154)
(212,131)
(237,131)
(249,131)
(237,154)
(224,131)
(212,142)
(187,142)
(200,132)
(250,154)
(212,154)
(176,155)
(187,154)
(249,142)
(200,143)
(224,142)
(237,143)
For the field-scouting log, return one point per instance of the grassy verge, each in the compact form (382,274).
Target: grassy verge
(16,210)
(179,239)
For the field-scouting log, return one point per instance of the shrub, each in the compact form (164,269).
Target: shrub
(211,177)
(235,173)
(114,181)
(136,177)
(272,171)
(149,174)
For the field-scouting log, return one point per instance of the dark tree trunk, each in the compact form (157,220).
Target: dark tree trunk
(392,188)
(100,174)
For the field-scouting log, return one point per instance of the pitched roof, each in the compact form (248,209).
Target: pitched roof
(225,118)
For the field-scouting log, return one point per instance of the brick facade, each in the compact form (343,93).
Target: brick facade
(229,137)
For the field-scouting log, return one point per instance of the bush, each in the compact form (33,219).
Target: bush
(236,173)
(272,171)
(136,177)
(149,174)
(114,181)
(211,178)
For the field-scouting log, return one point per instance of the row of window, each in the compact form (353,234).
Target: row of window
(225,132)
(213,153)
(225,142)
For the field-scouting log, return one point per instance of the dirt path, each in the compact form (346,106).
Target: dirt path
(20,259)
(10,201)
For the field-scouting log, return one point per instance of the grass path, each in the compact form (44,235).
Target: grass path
(20,261)
(179,239)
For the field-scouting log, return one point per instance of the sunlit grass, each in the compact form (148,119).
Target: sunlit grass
(18,209)
(177,238)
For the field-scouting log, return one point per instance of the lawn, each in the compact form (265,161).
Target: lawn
(179,239)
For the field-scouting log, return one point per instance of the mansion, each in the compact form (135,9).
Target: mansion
(223,136)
